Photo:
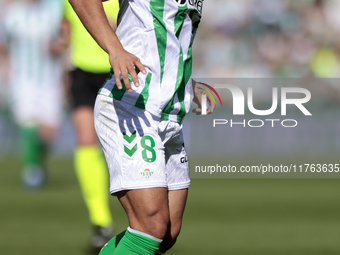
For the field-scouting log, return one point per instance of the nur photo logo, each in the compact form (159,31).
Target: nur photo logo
(287,97)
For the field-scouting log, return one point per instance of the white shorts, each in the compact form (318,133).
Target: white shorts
(32,105)
(141,151)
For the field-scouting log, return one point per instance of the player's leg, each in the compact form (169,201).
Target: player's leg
(91,170)
(35,142)
(176,204)
(47,114)
(148,214)
(33,175)
(147,210)
(47,134)
(178,180)
(135,156)
(177,201)
(89,162)
(22,107)
(82,117)
(37,130)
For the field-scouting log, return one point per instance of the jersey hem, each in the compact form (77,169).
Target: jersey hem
(178,186)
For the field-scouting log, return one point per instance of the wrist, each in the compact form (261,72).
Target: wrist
(113,46)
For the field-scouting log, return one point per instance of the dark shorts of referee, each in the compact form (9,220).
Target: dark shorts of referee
(85,87)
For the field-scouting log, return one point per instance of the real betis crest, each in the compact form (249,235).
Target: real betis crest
(146,173)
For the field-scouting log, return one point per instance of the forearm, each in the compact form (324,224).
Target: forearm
(123,63)
(65,33)
(4,61)
(92,15)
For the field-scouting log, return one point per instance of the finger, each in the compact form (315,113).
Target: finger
(199,98)
(117,78)
(212,106)
(134,76)
(126,80)
(197,111)
(140,66)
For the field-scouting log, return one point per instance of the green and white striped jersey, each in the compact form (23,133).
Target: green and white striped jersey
(28,28)
(160,33)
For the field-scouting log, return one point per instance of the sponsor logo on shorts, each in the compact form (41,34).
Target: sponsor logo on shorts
(146,173)
(198,4)
(184,159)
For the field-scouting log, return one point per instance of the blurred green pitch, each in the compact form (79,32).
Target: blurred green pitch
(223,216)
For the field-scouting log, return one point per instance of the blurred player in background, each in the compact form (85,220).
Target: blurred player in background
(3,65)
(138,115)
(92,68)
(33,40)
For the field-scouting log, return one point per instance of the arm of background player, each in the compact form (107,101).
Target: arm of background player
(92,15)
(4,58)
(62,42)
(4,62)
(198,98)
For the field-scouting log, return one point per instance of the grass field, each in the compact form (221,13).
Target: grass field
(223,216)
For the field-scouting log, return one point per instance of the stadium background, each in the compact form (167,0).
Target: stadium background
(240,39)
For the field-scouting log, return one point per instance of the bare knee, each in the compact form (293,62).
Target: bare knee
(170,237)
(147,210)
(167,244)
(155,223)
(47,133)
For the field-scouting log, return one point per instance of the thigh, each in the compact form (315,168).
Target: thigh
(82,118)
(132,147)
(176,202)
(146,209)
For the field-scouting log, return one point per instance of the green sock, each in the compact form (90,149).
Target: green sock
(30,146)
(111,245)
(137,243)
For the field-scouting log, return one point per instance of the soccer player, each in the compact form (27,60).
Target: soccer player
(91,70)
(139,111)
(30,36)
